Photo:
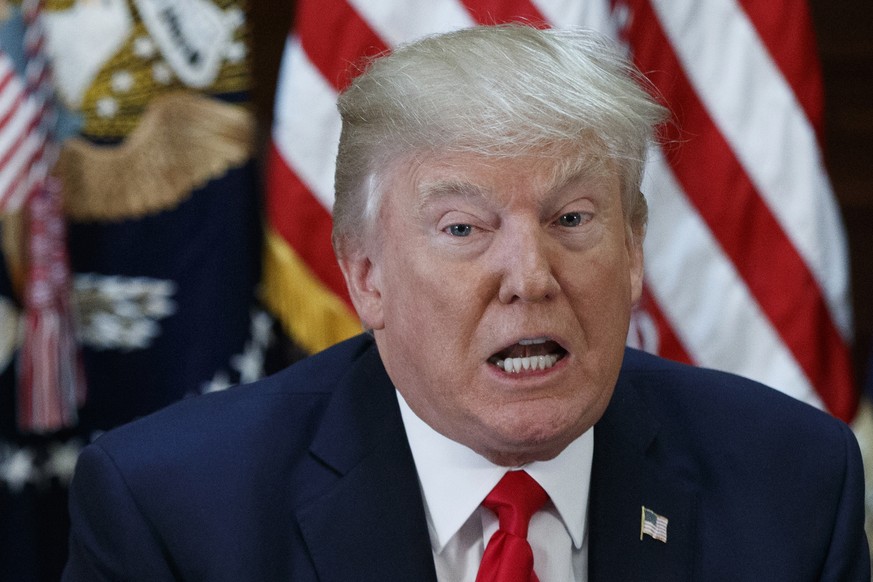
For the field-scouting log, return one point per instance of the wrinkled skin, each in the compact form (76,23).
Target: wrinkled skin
(469,256)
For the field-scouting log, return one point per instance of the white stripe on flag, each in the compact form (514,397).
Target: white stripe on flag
(306,128)
(397,22)
(593,14)
(697,286)
(769,133)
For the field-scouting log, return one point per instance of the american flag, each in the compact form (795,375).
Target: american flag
(51,385)
(746,256)
(654,525)
(22,140)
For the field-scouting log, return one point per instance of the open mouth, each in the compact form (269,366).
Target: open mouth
(532,354)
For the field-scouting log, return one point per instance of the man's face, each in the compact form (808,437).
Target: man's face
(500,293)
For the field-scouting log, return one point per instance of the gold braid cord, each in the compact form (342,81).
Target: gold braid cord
(183,141)
(12,248)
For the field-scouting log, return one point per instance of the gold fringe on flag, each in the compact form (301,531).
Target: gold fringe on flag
(313,316)
(183,141)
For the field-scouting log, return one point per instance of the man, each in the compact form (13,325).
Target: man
(491,426)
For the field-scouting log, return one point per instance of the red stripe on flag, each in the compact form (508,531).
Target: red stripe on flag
(335,39)
(795,53)
(749,234)
(303,222)
(503,11)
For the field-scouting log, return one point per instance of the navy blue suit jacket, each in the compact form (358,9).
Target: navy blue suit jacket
(308,476)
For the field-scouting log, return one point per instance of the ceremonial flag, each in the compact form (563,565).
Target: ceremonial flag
(745,255)
(747,266)
(160,192)
(157,173)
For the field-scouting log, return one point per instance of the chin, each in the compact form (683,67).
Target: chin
(523,455)
(516,433)
(521,440)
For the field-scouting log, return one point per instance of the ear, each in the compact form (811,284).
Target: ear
(635,263)
(363,282)
(635,233)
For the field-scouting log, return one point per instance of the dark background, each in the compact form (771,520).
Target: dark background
(845,37)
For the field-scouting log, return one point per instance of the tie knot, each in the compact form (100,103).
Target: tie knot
(515,498)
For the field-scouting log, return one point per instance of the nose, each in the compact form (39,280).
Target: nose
(527,271)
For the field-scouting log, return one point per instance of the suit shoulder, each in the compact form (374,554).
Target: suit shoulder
(252,416)
(717,404)
(321,372)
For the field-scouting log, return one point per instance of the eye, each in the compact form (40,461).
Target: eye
(459,230)
(570,219)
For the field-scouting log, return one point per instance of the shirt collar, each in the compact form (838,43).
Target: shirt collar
(454,479)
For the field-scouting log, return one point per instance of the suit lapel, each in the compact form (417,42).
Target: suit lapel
(371,524)
(630,470)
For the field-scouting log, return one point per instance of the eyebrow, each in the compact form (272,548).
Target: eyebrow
(444,188)
(441,188)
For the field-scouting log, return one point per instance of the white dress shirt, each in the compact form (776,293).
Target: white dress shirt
(454,480)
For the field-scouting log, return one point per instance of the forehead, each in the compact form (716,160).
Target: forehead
(430,178)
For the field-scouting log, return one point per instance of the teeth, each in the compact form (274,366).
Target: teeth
(533,341)
(515,365)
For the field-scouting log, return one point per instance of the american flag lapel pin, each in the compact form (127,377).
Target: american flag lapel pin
(653,525)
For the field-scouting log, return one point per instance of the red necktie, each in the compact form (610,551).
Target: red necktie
(508,556)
